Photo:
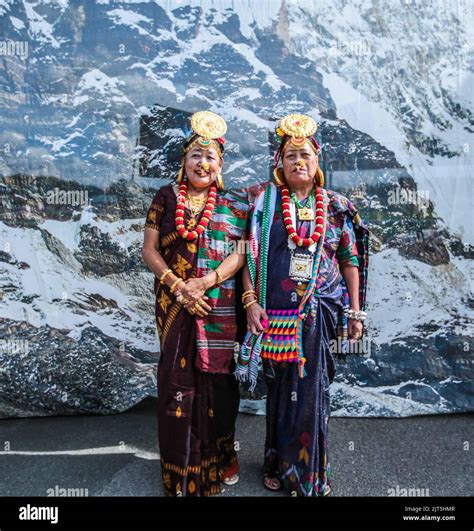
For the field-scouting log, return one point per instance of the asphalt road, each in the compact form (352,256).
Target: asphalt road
(117,455)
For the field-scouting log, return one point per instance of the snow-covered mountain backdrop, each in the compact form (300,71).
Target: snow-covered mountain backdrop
(93,98)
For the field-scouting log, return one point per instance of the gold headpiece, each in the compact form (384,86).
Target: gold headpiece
(298,127)
(209,127)
(208,124)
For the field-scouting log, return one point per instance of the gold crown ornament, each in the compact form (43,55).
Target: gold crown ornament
(209,128)
(298,125)
(208,125)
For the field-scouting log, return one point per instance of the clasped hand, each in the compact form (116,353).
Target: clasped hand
(192,291)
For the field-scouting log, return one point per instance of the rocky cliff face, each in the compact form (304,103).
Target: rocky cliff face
(95,98)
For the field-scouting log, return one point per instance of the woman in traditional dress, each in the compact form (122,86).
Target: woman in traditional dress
(188,244)
(305,283)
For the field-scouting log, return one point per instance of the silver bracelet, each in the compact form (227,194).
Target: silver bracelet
(358,315)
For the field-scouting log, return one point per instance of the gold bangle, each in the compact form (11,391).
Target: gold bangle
(219,277)
(164,275)
(246,295)
(248,291)
(250,303)
(174,284)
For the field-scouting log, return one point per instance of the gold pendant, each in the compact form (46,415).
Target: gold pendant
(191,223)
(306,214)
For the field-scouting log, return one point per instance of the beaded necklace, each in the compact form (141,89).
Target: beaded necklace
(293,235)
(305,212)
(208,209)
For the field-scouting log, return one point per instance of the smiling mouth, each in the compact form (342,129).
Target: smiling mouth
(202,173)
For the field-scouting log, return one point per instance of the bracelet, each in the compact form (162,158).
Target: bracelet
(219,277)
(174,284)
(250,303)
(248,293)
(164,275)
(358,315)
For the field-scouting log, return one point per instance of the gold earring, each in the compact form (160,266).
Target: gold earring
(180,174)
(220,181)
(279,177)
(319,177)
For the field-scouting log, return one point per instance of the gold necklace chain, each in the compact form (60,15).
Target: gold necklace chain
(196,204)
(196,200)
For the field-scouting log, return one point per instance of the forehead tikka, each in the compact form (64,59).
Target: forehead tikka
(204,143)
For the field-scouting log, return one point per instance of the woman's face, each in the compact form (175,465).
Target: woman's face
(299,165)
(202,166)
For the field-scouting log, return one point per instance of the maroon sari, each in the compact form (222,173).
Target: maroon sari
(196,410)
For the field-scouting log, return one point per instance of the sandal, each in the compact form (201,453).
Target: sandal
(231,480)
(271,482)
